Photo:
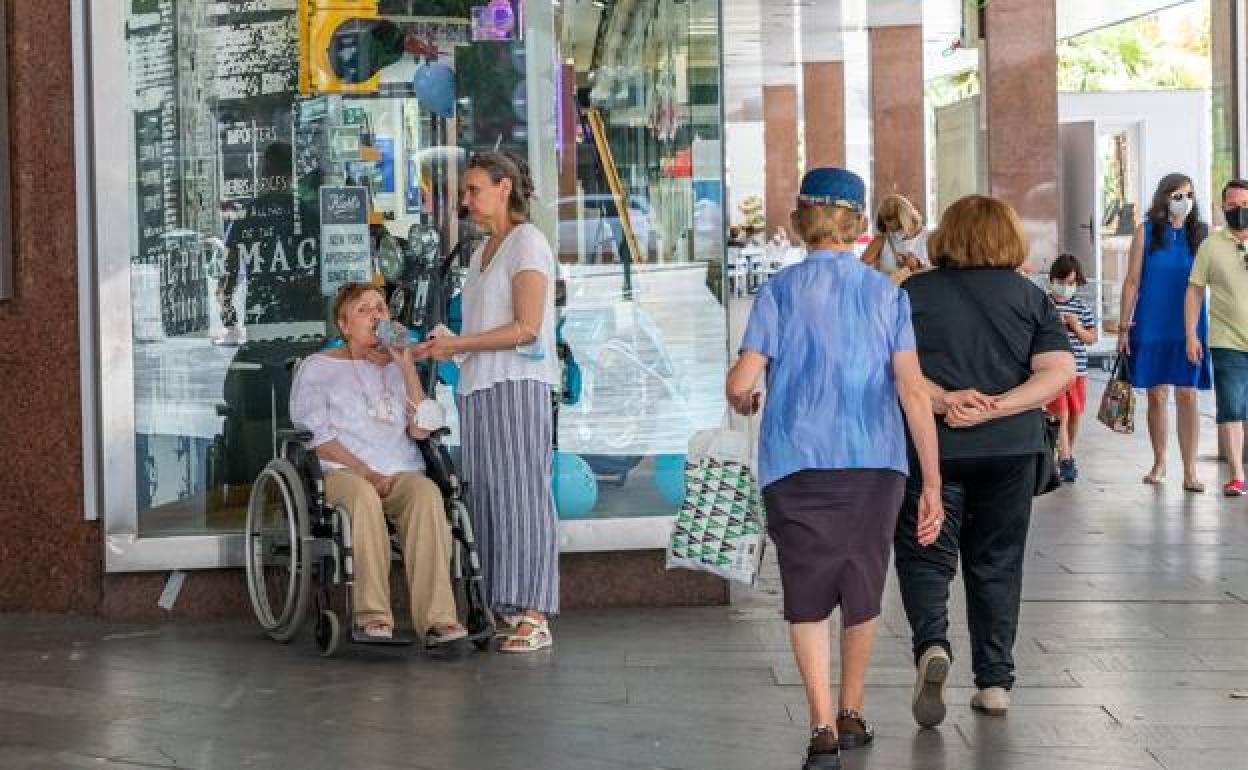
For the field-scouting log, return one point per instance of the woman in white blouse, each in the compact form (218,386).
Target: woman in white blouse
(508,372)
(900,245)
(361,405)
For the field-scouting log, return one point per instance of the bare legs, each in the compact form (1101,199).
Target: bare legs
(1233,442)
(1188,403)
(1189,435)
(812,647)
(1158,425)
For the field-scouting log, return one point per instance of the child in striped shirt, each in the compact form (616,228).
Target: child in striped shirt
(1065,277)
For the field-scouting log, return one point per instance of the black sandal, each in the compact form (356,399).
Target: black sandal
(853,730)
(823,753)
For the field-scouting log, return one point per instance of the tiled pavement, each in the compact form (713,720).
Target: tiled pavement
(1134,637)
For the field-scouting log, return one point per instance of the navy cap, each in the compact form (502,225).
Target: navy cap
(833,187)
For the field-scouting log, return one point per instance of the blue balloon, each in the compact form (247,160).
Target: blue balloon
(576,489)
(448,372)
(434,84)
(669,477)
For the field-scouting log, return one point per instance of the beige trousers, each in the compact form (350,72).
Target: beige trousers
(415,506)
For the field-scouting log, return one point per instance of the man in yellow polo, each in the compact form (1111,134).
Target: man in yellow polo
(1221,267)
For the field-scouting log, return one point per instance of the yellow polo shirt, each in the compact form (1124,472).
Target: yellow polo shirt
(1220,266)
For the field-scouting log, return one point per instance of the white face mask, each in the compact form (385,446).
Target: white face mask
(1181,208)
(1064,291)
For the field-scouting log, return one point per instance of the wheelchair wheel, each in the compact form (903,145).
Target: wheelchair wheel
(277,552)
(469,590)
(328,633)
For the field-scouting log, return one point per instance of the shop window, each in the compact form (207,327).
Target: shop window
(245,118)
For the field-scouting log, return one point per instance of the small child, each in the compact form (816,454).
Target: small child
(1065,278)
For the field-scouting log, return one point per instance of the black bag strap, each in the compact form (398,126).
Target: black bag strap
(971,301)
(1121,370)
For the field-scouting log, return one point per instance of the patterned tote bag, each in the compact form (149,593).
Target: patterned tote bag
(1117,410)
(720,528)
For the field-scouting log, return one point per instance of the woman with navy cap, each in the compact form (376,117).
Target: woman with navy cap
(834,339)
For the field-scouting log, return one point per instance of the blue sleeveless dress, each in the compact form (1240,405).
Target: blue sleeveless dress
(1158,342)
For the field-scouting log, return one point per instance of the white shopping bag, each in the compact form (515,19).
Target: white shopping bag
(720,527)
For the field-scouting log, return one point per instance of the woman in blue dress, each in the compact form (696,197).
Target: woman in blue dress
(1162,253)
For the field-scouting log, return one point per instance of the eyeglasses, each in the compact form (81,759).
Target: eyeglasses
(1178,196)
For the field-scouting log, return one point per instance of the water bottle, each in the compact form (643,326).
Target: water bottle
(391,334)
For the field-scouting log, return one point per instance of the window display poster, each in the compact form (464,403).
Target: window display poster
(345,255)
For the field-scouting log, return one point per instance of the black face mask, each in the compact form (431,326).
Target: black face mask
(1237,218)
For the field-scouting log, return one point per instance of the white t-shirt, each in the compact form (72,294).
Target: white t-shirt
(487,305)
(916,246)
(338,398)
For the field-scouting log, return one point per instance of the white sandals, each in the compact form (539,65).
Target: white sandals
(539,638)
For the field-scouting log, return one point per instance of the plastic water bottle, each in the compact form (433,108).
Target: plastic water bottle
(391,334)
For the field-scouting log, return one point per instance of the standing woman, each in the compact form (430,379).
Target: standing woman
(835,341)
(508,370)
(1152,332)
(901,239)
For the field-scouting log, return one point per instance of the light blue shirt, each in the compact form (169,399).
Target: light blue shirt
(829,327)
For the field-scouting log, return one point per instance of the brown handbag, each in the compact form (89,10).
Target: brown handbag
(1117,410)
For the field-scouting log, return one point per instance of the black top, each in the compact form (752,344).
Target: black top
(958,351)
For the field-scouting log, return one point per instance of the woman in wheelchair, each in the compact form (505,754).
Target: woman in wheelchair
(360,403)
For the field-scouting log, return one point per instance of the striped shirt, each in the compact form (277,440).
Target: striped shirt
(1076,306)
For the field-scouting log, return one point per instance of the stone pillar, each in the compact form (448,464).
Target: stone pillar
(898,121)
(1227,96)
(1019,80)
(780,111)
(53,559)
(780,159)
(823,79)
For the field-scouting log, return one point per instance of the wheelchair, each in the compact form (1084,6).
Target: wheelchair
(298,549)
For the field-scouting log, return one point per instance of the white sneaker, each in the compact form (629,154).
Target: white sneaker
(928,702)
(994,701)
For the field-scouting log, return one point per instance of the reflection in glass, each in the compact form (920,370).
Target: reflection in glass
(279,151)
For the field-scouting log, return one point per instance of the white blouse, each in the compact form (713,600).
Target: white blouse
(916,246)
(488,305)
(362,405)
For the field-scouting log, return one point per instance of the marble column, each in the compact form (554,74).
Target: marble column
(1228,100)
(898,121)
(823,83)
(52,560)
(1019,80)
(780,114)
(780,158)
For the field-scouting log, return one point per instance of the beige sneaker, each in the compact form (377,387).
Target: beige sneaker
(993,701)
(928,701)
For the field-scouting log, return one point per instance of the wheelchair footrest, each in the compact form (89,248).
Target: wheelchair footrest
(397,640)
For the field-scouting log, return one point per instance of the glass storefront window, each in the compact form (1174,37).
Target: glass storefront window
(275,150)
(640,239)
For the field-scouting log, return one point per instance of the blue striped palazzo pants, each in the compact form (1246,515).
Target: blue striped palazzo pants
(506,434)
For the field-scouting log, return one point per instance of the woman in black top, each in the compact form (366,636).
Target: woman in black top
(994,352)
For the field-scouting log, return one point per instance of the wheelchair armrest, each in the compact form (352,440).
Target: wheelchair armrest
(438,465)
(298,436)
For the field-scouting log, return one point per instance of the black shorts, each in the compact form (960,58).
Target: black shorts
(833,532)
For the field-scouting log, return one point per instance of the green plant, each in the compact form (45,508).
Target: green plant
(1138,55)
